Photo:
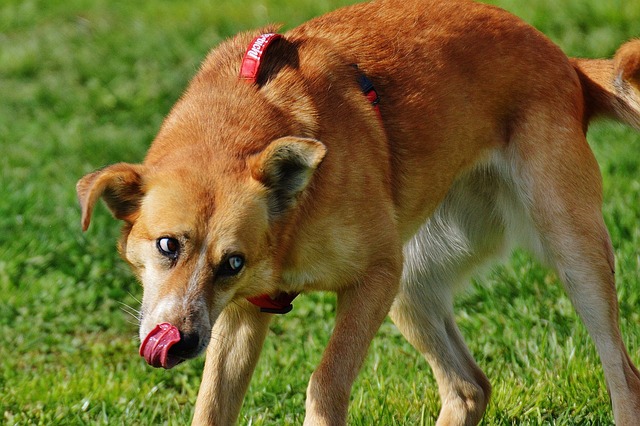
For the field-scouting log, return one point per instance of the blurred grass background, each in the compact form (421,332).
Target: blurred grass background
(85,83)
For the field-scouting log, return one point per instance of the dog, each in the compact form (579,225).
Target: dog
(383,152)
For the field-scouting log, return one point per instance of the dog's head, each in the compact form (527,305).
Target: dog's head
(199,232)
(231,176)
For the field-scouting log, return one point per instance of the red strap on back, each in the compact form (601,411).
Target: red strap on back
(369,91)
(252,57)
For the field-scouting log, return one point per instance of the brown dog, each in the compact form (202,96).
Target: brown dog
(283,178)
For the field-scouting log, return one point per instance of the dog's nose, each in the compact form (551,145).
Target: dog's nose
(187,347)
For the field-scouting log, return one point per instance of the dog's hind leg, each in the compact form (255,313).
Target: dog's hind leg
(461,235)
(464,389)
(560,185)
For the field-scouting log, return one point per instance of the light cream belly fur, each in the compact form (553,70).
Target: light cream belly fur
(482,218)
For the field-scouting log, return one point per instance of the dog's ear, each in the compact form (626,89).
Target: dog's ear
(285,167)
(120,185)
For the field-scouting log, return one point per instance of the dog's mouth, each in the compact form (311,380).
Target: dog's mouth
(156,347)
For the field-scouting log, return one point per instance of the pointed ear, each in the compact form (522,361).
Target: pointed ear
(285,167)
(120,185)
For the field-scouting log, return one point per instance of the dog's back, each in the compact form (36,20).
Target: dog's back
(456,79)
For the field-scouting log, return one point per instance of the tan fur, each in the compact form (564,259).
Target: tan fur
(481,147)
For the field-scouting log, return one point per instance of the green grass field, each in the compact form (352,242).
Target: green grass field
(84,83)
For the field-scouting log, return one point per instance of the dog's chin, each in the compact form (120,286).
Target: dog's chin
(165,346)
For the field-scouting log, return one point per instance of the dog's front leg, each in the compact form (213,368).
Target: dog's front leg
(361,309)
(235,346)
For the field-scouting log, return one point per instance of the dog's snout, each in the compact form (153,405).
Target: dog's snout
(187,347)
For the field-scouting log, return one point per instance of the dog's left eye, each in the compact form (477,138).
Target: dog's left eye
(168,247)
(232,265)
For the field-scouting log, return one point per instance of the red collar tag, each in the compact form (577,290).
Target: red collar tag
(252,57)
(281,304)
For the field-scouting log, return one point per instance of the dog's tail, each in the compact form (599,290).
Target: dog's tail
(612,87)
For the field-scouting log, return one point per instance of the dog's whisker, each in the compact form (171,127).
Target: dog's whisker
(135,298)
(136,323)
(131,311)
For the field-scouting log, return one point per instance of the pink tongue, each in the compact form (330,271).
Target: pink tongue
(155,347)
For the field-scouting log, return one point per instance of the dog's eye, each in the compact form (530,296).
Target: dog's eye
(232,265)
(168,247)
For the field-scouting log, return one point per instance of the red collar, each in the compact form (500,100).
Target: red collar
(249,69)
(253,56)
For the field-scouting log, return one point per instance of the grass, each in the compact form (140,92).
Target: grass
(84,83)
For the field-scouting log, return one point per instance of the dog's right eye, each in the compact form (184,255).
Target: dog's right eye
(168,247)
